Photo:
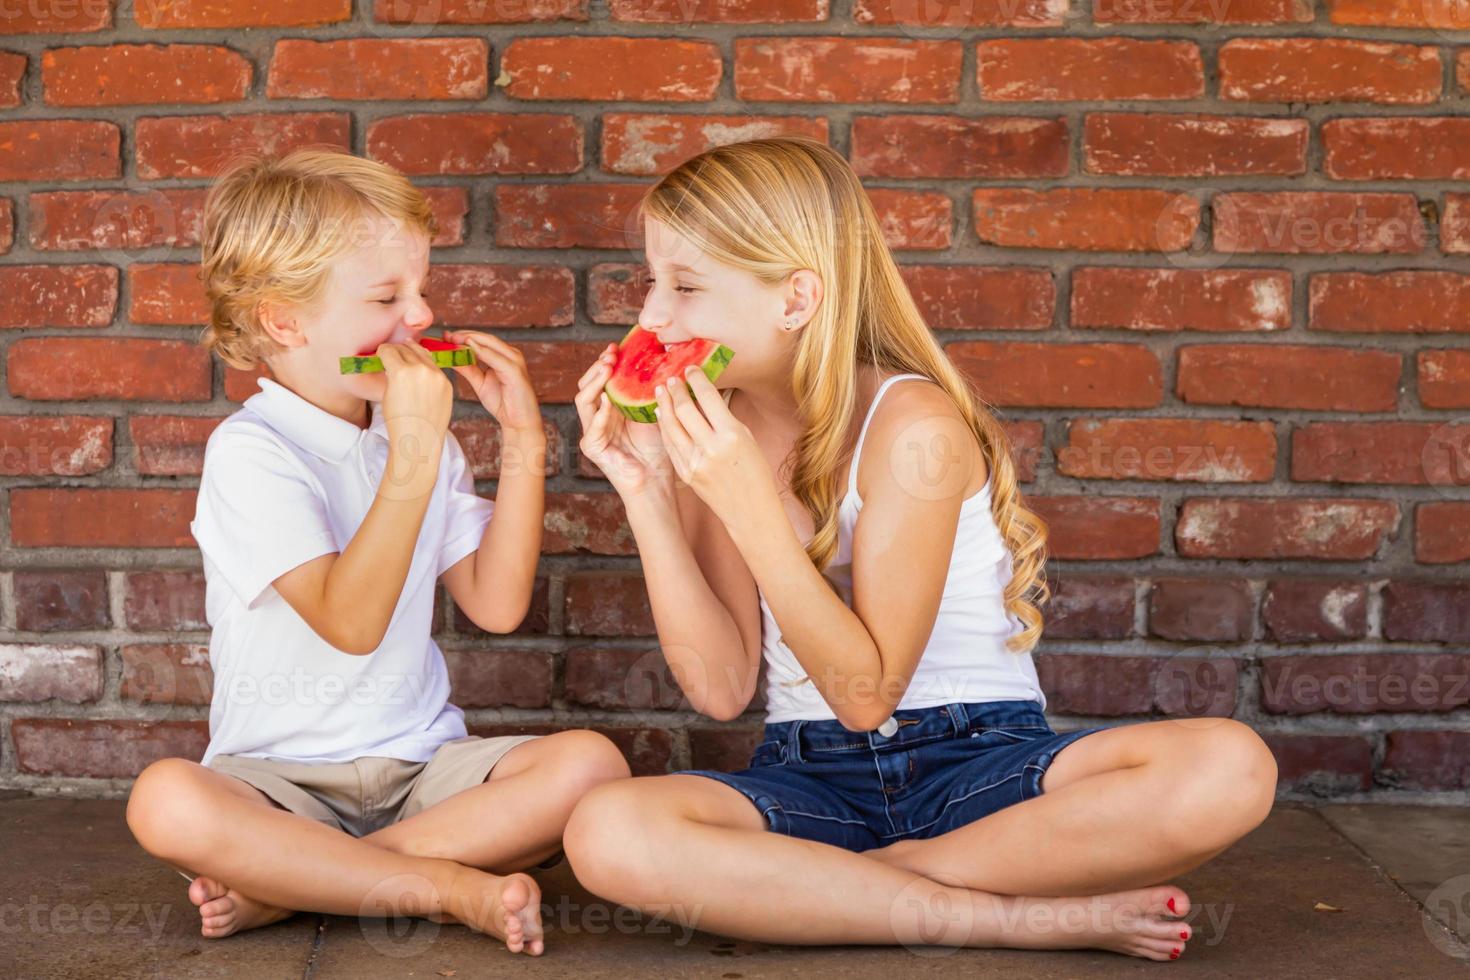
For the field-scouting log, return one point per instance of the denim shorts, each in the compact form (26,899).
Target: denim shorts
(944,767)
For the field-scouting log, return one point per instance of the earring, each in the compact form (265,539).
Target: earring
(791,323)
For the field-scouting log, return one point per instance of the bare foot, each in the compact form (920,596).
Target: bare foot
(1147,922)
(224,911)
(506,907)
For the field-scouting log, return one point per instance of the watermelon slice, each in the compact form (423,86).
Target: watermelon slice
(444,353)
(643,364)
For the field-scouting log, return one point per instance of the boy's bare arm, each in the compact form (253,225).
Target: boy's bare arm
(348,598)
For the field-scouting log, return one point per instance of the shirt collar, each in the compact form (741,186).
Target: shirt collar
(313,429)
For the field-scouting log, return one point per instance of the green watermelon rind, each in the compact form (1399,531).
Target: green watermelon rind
(639,410)
(372,363)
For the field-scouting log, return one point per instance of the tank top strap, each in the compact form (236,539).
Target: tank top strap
(857,452)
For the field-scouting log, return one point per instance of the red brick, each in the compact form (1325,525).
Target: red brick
(1137,144)
(170,445)
(1088,69)
(685,12)
(966,297)
(57,295)
(1444,378)
(198,146)
(622,680)
(1364,683)
(1442,532)
(240,385)
(60,599)
(722,749)
(1312,610)
(1197,12)
(1259,69)
(1311,377)
(1262,527)
(166,673)
(537,621)
(499,678)
(101,518)
(647,144)
(568,215)
(847,69)
(451,207)
(1321,764)
(1052,375)
(611,69)
(1428,148)
(956,147)
(1203,450)
(1026,440)
(235,13)
(102,749)
(143,74)
(131,369)
(1454,225)
(54,150)
(1447,14)
(586,523)
(1129,298)
(556,365)
(501,295)
(480,440)
(972,13)
(116,219)
(32,672)
(1427,612)
(1462,69)
(1104,685)
(165,601)
(918,220)
(1099,528)
(1315,222)
(421,13)
(1201,610)
(58,18)
(64,445)
(7,224)
(1411,453)
(1412,301)
(167,293)
(1427,760)
(1089,218)
(423,69)
(607,604)
(478,143)
(1089,608)
(12,74)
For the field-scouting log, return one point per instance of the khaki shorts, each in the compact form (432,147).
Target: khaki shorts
(371,793)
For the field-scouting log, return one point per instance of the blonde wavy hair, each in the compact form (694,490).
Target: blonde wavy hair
(272,228)
(773,206)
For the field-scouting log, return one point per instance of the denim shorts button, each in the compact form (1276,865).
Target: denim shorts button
(888,728)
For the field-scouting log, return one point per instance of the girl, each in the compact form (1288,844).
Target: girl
(848,514)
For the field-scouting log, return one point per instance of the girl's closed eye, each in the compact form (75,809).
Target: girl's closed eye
(393,299)
(683,289)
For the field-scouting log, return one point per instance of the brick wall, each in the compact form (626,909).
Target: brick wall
(1207,256)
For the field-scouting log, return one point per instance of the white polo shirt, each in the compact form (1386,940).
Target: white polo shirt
(284,482)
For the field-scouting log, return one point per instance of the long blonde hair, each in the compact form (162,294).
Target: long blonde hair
(774,206)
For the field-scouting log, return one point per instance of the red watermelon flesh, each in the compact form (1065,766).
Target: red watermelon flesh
(643,364)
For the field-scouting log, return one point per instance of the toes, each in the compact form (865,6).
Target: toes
(217,907)
(1170,901)
(203,889)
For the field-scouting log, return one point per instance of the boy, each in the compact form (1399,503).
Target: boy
(338,777)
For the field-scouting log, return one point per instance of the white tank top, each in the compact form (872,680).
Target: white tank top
(966,658)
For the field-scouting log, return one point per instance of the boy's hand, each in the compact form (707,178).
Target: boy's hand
(502,384)
(416,408)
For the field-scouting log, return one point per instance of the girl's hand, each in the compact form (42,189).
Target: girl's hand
(500,381)
(713,451)
(630,454)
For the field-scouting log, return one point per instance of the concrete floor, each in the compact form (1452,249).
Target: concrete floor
(81,900)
